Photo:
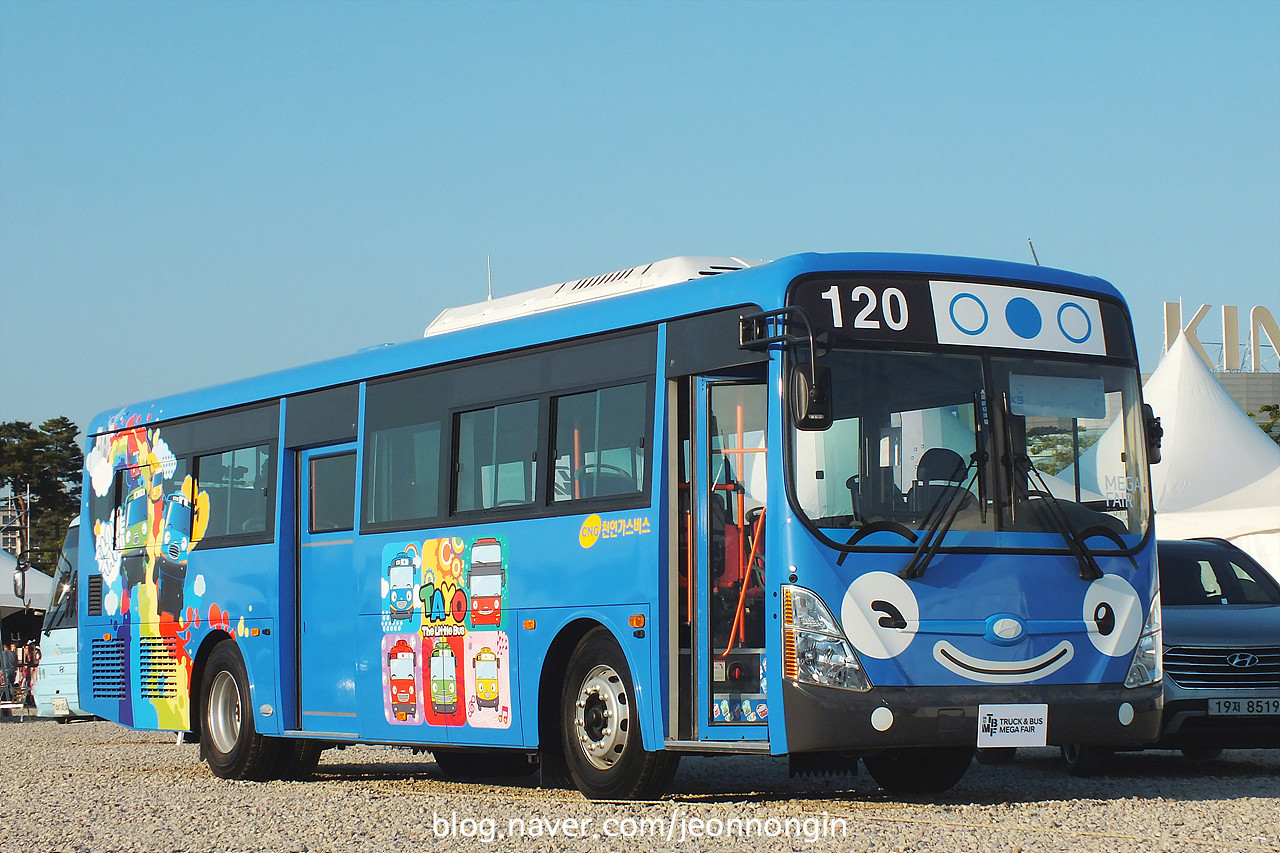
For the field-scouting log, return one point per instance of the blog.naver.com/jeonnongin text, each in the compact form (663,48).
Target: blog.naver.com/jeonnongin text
(677,826)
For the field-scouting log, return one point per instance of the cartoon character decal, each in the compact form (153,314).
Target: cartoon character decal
(147,520)
(171,558)
(488,679)
(486,578)
(465,673)
(881,615)
(444,679)
(135,528)
(402,678)
(485,667)
(401,582)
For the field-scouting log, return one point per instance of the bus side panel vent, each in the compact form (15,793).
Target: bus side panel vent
(158,668)
(108,669)
(95,595)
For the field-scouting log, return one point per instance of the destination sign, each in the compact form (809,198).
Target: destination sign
(914,310)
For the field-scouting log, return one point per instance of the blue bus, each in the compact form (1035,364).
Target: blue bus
(57,685)
(848,507)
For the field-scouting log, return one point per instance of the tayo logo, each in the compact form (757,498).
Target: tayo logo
(589,533)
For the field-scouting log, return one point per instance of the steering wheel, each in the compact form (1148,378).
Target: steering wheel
(602,468)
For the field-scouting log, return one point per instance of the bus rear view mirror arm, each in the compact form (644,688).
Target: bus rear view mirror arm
(810,386)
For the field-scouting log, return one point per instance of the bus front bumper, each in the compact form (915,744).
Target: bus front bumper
(824,718)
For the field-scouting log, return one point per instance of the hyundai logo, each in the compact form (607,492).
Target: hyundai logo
(1242,660)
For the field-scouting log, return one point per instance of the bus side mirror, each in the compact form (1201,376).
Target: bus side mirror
(1154,432)
(810,390)
(20,583)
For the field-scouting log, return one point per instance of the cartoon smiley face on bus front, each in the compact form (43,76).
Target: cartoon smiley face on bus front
(881,617)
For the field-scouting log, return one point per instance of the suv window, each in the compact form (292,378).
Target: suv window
(1194,574)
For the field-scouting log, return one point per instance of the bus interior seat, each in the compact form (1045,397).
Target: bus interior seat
(724,535)
(938,476)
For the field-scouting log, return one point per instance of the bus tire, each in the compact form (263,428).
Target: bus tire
(600,726)
(228,739)
(923,770)
(296,758)
(1083,759)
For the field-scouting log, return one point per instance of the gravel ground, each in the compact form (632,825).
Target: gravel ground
(98,787)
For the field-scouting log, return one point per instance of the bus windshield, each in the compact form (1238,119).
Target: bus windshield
(62,604)
(992,443)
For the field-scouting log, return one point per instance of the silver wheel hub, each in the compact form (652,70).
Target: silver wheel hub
(602,717)
(224,712)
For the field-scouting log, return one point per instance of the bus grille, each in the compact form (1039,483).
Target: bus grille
(107,668)
(157,668)
(1191,666)
(95,595)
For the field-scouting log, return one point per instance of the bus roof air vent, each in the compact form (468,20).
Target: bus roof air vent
(656,274)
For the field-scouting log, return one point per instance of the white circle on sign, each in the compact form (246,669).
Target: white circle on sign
(969,314)
(1074,323)
(881,719)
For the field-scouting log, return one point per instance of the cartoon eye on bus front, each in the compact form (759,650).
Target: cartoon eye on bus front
(485,665)
(444,679)
(400,579)
(401,662)
(486,580)
(175,544)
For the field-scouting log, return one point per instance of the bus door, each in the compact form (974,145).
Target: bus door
(728,591)
(326,591)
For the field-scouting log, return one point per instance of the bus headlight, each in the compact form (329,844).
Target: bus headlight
(1146,666)
(814,649)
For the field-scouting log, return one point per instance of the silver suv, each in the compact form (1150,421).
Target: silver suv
(1221,613)
(1221,649)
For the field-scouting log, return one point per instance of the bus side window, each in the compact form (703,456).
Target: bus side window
(238,485)
(600,443)
(496,457)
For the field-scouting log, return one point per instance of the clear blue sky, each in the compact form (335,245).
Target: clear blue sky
(194,192)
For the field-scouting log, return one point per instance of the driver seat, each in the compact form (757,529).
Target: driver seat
(938,476)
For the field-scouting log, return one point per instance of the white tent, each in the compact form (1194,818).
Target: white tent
(1220,474)
(39,587)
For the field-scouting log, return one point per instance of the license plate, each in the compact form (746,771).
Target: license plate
(1012,725)
(1244,707)
(60,706)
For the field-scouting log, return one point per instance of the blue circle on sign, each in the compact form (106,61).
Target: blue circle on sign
(1023,317)
(968,321)
(1073,319)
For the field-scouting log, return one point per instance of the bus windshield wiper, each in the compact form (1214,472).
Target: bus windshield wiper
(1089,568)
(932,539)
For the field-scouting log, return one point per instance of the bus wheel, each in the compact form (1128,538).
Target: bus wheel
(601,730)
(296,758)
(228,740)
(1084,759)
(918,771)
